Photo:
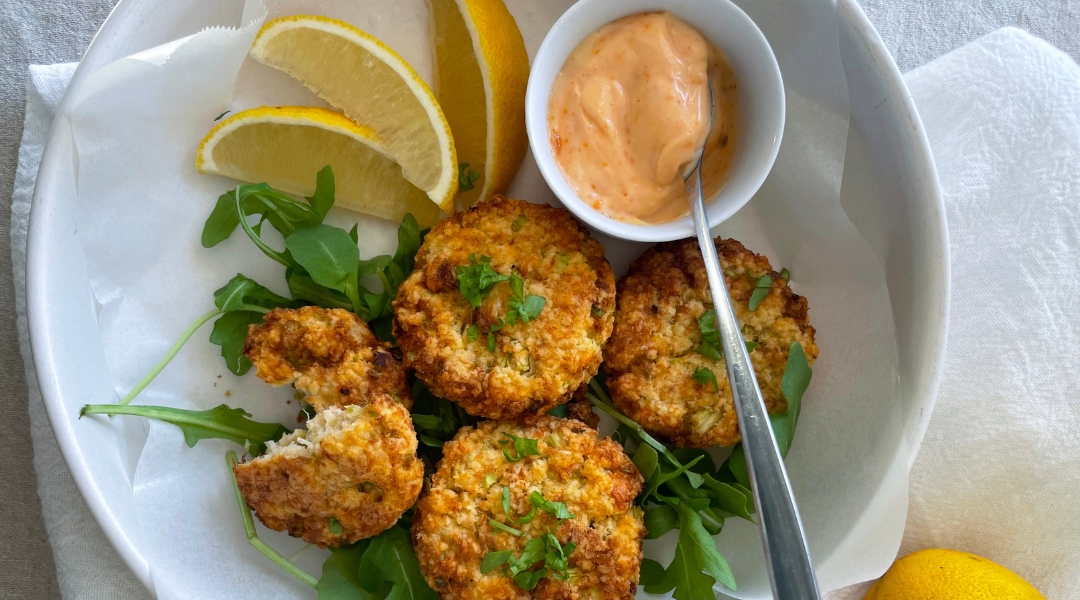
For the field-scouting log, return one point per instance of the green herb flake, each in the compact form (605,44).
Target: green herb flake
(706,376)
(785,274)
(555,509)
(477,278)
(522,447)
(710,336)
(494,560)
(504,528)
(522,307)
(750,346)
(467,177)
(472,333)
(762,285)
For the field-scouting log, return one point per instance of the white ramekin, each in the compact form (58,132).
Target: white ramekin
(761,104)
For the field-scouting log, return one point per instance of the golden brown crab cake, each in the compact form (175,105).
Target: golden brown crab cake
(330,354)
(590,474)
(651,356)
(492,368)
(349,476)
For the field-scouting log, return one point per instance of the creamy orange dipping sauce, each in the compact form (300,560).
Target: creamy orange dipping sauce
(629,110)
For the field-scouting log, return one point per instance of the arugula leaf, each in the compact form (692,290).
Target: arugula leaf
(705,376)
(253,537)
(467,178)
(697,563)
(477,278)
(762,285)
(243,293)
(410,238)
(659,520)
(222,422)
(646,458)
(284,213)
(230,332)
(303,287)
(796,379)
(652,572)
(327,253)
(339,580)
(522,446)
(325,191)
(710,336)
(390,558)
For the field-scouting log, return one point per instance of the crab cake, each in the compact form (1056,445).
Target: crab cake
(592,476)
(483,358)
(651,356)
(349,476)
(330,354)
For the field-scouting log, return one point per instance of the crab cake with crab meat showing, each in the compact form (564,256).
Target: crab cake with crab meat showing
(657,346)
(507,310)
(349,476)
(501,487)
(330,355)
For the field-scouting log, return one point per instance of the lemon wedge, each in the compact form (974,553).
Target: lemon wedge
(286,147)
(481,72)
(373,85)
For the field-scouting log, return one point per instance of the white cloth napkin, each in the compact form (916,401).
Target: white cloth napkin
(999,470)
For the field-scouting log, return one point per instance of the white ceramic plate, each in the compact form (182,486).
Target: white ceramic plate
(889,170)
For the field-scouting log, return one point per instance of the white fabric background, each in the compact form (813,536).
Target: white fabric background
(46,31)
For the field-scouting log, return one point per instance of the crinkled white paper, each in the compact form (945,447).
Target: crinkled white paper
(142,205)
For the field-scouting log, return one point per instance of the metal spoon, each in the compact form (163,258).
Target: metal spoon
(787,554)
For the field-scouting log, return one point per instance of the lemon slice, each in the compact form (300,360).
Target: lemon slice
(481,72)
(372,84)
(287,146)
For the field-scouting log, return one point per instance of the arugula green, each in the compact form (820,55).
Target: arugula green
(253,536)
(796,379)
(696,565)
(340,579)
(221,422)
(389,568)
(762,285)
(332,259)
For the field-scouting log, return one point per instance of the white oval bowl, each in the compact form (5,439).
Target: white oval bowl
(761,105)
(900,212)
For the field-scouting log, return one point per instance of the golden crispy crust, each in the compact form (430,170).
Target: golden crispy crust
(651,354)
(535,366)
(330,354)
(357,465)
(592,475)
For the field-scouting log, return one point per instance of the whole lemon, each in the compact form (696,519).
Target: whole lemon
(938,574)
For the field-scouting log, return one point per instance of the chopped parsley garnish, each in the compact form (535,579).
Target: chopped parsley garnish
(477,278)
(750,346)
(555,509)
(545,550)
(762,285)
(472,332)
(504,528)
(522,446)
(710,336)
(704,376)
(525,308)
(525,519)
(467,177)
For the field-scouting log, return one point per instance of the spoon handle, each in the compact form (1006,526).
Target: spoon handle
(791,572)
